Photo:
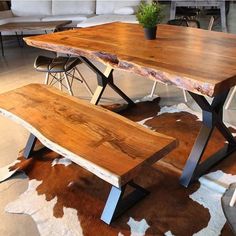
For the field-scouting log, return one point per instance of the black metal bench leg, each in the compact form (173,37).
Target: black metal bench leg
(116,205)
(29,148)
(212,118)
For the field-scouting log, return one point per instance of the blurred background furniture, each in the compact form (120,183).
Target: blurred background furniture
(218,4)
(215,14)
(48,10)
(187,12)
(60,69)
(87,12)
(30,26)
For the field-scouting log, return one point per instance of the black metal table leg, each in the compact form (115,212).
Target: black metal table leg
(116,205)
(1,41)
(30,146)
(103,81)
(196,155)
(212,118)
(119,91)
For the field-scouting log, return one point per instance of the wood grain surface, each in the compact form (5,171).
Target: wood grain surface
(196,60)
(21,26)
(107,144)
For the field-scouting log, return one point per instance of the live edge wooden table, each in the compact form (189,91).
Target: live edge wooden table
(199,61)
(31,26)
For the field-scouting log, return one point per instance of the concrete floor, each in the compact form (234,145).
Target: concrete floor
(16,69)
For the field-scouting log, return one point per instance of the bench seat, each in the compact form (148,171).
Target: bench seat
(101,141)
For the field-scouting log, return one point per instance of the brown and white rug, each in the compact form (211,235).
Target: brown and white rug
(63,199)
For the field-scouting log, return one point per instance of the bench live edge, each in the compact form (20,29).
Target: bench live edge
(106,144)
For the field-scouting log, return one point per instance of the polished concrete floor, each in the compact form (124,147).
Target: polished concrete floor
(16,69)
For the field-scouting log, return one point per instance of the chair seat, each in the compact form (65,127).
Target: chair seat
(55,65)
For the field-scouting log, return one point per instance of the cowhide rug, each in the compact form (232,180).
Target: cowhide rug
(63,199)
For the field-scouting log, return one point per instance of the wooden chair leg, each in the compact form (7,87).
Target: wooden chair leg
(211,23)
(230,98)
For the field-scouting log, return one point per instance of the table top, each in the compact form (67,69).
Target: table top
(47,25)
(199,61)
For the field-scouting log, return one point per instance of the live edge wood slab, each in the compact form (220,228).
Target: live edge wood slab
(200,61)
(106,144)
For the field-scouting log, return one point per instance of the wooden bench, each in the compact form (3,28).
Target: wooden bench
(108,145)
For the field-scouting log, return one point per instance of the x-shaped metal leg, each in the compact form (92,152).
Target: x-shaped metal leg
(212,118)
(29,148)
(104,79)
(116,205)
